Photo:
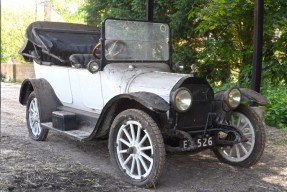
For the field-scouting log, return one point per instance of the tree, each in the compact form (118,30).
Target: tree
(15,18)
(173,12)
(13,32)
(226,28)
(70,10)
(275,42)
(215,35)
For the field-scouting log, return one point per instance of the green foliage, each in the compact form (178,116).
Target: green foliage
(226,28)
(13,32)
(227,32)
(97,10)
(70,10)
(173,12)
(275,49)
(217,36)
(276,110)
(225,86)
(16,17)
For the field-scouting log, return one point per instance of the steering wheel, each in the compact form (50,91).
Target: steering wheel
(112,48)
(95,50)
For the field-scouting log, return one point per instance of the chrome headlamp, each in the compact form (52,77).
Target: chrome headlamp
(181,99)
(233,97)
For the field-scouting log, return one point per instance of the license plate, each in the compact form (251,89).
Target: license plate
(204,142)
(200,142)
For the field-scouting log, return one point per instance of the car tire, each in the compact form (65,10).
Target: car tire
(136,148)
(248,153)
(36,131)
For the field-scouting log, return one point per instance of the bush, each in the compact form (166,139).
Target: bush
(276,110)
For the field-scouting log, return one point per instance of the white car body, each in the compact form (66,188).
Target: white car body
(117,83)
(80,89)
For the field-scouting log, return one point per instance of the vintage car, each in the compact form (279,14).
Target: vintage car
(117,83)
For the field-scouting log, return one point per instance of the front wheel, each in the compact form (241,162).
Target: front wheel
(36,131)
(247,153)
(136,148)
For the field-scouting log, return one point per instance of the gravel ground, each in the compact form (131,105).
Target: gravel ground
(62,164)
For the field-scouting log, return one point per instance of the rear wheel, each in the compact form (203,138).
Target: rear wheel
(136,148)
(248,153)
(36,131)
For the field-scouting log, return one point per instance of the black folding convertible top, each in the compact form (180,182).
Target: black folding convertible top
(58,41)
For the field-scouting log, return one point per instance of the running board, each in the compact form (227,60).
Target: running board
(74,134)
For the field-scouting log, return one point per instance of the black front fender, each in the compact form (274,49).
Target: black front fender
(253,97)
(121,102)
(149,100)
(248,96)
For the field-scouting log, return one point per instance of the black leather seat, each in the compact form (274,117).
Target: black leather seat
(45,59)
(81,60)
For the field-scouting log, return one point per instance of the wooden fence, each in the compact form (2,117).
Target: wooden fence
(17,72)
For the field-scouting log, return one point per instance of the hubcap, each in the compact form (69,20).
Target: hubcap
(34,119)
(134,150)
(241,151)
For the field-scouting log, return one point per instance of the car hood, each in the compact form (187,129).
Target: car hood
(150,77)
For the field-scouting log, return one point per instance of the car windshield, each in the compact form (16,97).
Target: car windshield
(136,41)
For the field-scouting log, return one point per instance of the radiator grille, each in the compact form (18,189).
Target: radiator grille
(196,116)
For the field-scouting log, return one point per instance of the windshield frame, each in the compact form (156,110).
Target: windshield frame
(103,39)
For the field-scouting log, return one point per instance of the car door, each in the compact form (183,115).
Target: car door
(86,90)
(58,77)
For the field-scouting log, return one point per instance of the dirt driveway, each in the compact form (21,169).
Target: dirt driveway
(62,164)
